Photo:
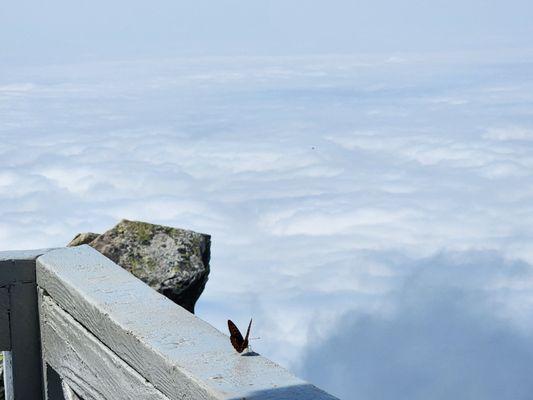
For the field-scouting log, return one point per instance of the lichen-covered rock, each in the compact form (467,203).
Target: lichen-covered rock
(175,262)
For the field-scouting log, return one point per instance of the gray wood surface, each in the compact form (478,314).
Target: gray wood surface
(8,377)
(5,335)
(18,266)
(14,255)
(181,355)
(68,392)
(16,271)
(85,364)
(25,344)
(19,325)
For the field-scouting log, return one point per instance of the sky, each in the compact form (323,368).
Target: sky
(71,31)
(365,171)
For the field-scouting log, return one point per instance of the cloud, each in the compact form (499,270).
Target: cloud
(448,334)
(322,180)
(509,133)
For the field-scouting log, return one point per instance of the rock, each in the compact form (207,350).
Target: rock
(83,238)
(175,262)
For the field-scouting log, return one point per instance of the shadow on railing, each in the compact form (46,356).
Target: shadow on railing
(297,392)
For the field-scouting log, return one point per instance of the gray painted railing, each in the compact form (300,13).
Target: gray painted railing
(73,323)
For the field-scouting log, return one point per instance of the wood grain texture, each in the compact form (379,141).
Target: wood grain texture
(181,355)
(85,364)
(9,392)
(69,393)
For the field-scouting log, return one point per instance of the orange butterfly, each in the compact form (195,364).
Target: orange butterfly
(237,341)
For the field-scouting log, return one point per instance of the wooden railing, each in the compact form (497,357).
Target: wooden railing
(75,325)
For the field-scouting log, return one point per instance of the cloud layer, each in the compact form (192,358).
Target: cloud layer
(448,333)
(328,184)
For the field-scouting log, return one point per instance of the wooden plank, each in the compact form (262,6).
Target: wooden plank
(84,363)
(19,327)
(8,377)
(69,393)
(25,345)
(18,266)
(5,335)
(14,255)
(16,271)
(181,355)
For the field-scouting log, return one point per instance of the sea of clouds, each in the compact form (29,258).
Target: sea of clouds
(373,214)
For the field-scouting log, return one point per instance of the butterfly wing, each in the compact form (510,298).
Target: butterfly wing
(236,337)
(245,343)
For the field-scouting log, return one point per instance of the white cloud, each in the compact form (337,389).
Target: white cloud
(450,335)
(326,183)
(509,133)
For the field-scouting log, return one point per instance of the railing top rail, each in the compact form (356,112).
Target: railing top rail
(178,353)
(14,255)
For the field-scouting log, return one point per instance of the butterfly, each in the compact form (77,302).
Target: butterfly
(237,341)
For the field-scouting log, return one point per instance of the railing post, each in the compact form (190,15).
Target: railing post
(19,329)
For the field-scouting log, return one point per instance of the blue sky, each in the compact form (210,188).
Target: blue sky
(365,171)
(63,31)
